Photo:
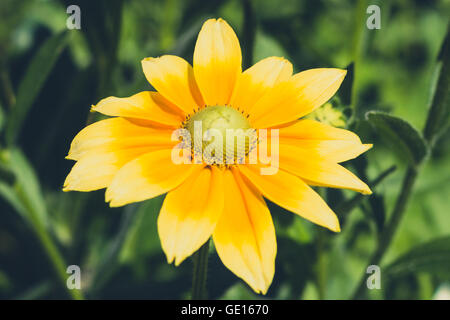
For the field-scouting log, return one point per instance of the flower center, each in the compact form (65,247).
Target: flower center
(216,129)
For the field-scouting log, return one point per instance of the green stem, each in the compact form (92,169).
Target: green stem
(321,270)
(435,116)
(346,207)
(358,48)
(200,273)
(391,227)
(249,33)
(57,261)
(438,114)
(50,248)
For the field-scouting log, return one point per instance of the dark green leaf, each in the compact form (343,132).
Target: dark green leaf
(32,82)
(142,236)
(25,193)
(8,193)
(438,115)
(406,141)
(433,257)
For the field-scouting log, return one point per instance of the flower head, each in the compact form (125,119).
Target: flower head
(131,154)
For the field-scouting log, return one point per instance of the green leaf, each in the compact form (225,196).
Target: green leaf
(439,113)
(142,237)
(32,82)
(9,194)
(25,196)
(432,257)
(25,193)
(406,141)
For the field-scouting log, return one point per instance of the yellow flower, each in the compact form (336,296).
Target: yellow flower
(130,154)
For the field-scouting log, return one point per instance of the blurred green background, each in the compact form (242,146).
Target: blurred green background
(50,76)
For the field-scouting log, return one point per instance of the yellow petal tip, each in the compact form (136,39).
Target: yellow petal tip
(113,204)
(367,146)
(341,74)
(178,261)
(264,291)
(170,259)
(335,226)
(110,200)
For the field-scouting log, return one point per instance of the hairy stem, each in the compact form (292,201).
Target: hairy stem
(391,227)
(436,118)
(346,207)
(200,273)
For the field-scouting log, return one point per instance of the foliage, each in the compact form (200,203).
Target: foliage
(396,96)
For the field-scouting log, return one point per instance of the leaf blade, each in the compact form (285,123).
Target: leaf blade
(432,257)
(439,113)
(33,81)
(402,136)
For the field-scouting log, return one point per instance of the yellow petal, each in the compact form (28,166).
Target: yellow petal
(314,130)
(115,134)
(297,97)
(173,77)
(292,193)
(148,176)
(333,144)
(144,105)
(319,171)
(96,170)
(217,61)
(254,82)
(190,213)
(245,236)
(331,150)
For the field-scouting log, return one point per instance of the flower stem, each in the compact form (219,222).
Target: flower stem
(321,272)
(391,227)
(358,46)
(431,132)
(249,33)
(347,206)
(57,262)
(49,246)
(200,273)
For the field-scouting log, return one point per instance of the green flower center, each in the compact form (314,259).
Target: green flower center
(228,130)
